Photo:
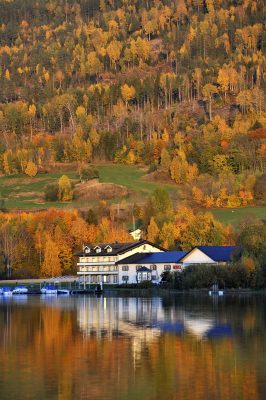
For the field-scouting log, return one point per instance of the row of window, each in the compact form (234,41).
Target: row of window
(104,278)
(95,268)
(151,267)
(97,259)
(98,249)
(125,278)
(108,268)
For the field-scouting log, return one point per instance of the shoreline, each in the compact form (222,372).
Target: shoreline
(124,290)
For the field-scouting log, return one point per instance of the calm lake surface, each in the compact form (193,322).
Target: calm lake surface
(132,348)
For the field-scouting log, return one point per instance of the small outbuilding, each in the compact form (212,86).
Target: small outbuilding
(210,255)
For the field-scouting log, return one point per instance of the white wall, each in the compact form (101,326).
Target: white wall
(196,256)
(144,248)
(132,272)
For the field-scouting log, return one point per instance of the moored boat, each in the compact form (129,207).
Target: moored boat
(49,289)
(215,291)
(20,290)
(63,291)
(7,291)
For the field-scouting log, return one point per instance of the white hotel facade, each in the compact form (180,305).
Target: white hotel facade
(118,263)
(99,263)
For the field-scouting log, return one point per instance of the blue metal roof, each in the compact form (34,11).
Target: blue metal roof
(219,253)
(154,258)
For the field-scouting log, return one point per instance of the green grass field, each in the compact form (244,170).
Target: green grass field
(234,215)
(132,178)
(22,192)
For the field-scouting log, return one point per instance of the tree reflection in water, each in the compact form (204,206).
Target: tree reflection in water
(178,347)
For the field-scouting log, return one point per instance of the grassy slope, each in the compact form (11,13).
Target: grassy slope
(233,216)
(22,192)
(131,177)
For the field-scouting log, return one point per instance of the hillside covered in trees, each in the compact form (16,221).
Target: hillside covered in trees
(176,87)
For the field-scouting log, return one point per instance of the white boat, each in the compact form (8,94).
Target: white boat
(20,290)
(216,292)
(7,291)
(63,291)
(49,290)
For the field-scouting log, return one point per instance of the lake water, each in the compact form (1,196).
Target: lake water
(131,348)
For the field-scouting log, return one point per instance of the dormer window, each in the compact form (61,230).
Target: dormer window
(87,250)
(97,249)
(108,249)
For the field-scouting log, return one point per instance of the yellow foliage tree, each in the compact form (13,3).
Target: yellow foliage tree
(198,195)
(31,169)
(128,93)
(51,265)
(65,192)
(152,231)
(7,75)
(167,235)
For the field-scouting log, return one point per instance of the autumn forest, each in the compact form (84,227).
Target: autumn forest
(174,87)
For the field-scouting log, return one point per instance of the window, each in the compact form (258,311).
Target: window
(153,267)
(115,278)
(108,249)
(153,277)
(87,250)
(177,267)
(97,249)
(125,278)
(138,267)
(167,267)
(125,268)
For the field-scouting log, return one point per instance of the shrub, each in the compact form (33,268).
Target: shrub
(152,168)
(51,192)
(145,284)
(88,173)
(31,169)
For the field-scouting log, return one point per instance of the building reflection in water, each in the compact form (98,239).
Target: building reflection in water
(142,319)
(122,348)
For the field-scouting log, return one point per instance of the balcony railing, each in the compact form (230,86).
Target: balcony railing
(97,260)
(98,269)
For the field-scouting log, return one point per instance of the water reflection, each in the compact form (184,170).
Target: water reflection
(132,348)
